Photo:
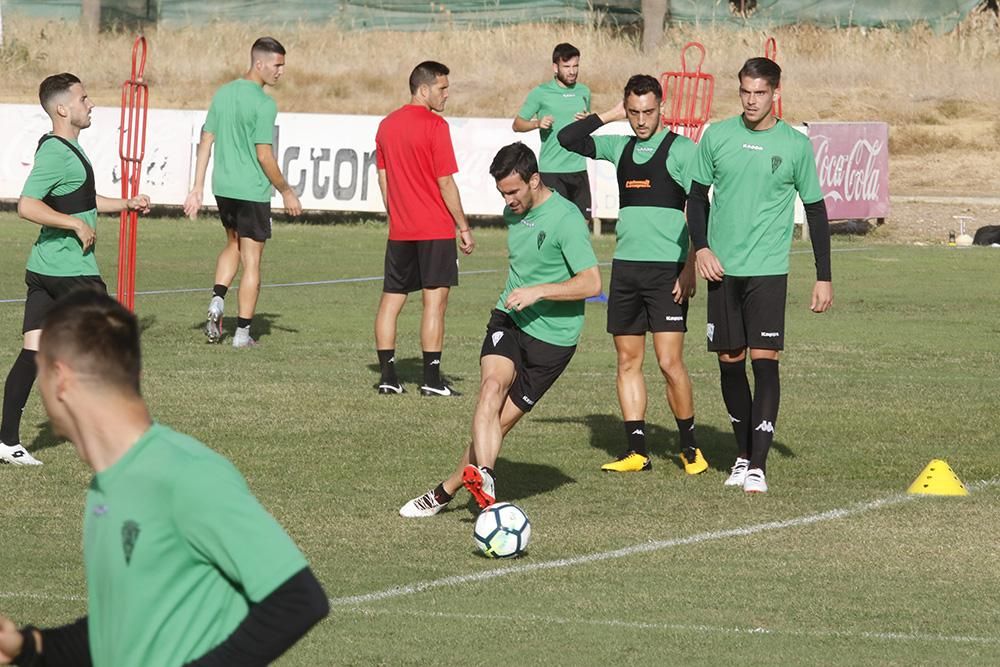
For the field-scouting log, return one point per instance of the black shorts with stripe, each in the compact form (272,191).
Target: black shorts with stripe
(537,364)
(415,265)
(747,312)
(641,298)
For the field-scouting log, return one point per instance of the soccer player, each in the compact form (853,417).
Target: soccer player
(534,327)
(550,107)
(59,196)
(757,163)
(183,565)
(651,280)
(416,167)
(240,123)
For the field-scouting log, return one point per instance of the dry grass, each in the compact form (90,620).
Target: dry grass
(938,92)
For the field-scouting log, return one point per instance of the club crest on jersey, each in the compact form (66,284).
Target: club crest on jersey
(130,535)
(775,163)
(541,239)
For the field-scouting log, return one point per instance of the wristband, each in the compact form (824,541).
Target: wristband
(28,657)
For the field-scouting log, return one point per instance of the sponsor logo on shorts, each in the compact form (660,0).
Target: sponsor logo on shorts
(638,184)
(752,147)
(711,331)
(497,335)
(527,400)
(770,334)
(765,426)
(675,318)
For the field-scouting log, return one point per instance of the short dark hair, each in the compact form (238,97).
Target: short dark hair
(266,45)
(564,52)
(55,85)
(95,335)
(761,68)
(515,158)
(427,73)
(643,84)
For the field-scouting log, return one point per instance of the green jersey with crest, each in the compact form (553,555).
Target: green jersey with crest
(562,103)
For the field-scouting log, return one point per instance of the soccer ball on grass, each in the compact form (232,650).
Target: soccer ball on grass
(502,531)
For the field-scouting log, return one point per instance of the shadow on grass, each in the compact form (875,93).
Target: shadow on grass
(411,371)
(261,327)
(146,322)
(518,480)
(718,447)
(45,439)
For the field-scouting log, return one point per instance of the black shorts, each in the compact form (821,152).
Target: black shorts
(538,364)
(44,291)
(641,298)
(574,186)
(250,219)
(414,265)
(747,312)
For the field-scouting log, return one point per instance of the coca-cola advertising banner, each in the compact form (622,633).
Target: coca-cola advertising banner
(853,164)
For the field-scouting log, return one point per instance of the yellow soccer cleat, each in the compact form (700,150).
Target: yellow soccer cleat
(699,465)
(631,462)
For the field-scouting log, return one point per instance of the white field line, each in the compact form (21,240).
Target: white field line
(682,628)
(646,547)
(363,279)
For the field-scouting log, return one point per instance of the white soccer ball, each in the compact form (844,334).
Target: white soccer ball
(502,531)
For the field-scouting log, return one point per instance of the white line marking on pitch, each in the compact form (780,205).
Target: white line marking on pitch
(647,547)
(682,628)
(364,279)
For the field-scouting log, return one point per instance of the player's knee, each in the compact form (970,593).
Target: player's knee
(673,368)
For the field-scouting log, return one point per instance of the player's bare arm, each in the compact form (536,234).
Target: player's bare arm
(616,112)
(686,284)
(583,285)
(290,200)
(138,203)
(40,213)
(194,199)
(523,125)
(453,202)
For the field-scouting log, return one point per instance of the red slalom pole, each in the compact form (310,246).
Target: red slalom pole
(131,150)
(771,53)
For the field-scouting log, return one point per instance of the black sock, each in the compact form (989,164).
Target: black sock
(442,496)
(685,429)
(766,398)
(736,396)
(387,366)
(242,322)
(635,434)
(15,396)
(432,369)
(220,291)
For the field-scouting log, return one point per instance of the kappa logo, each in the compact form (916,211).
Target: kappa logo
(674,318)
(710,331)
(497,335)
(638,431)
(527,400)
(752,147)
(130,535)
(100,510)
(733,420)
(527,223)
(644,149)
(775,163)
(770,334)
(569,94)
(392,359)
(436,362)
(541,239)
(765,426)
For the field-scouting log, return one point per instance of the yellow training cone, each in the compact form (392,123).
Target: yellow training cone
(938,479)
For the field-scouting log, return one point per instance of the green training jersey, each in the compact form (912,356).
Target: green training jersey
(562,103)
(548,244)
(756,176)
(241,116)
(175,547)
(648,233)
(58,252)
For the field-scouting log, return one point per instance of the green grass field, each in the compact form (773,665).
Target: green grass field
(648,569)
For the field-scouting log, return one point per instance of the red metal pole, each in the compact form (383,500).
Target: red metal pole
(771,53)
(131,150)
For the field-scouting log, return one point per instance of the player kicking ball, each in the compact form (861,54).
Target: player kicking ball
(534,328)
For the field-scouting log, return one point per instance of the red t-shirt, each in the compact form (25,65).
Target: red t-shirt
(413,145)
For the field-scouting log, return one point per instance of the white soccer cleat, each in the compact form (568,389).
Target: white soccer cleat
(738,473)
(755,481)
(17,455)
(213,327)
(422,506)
